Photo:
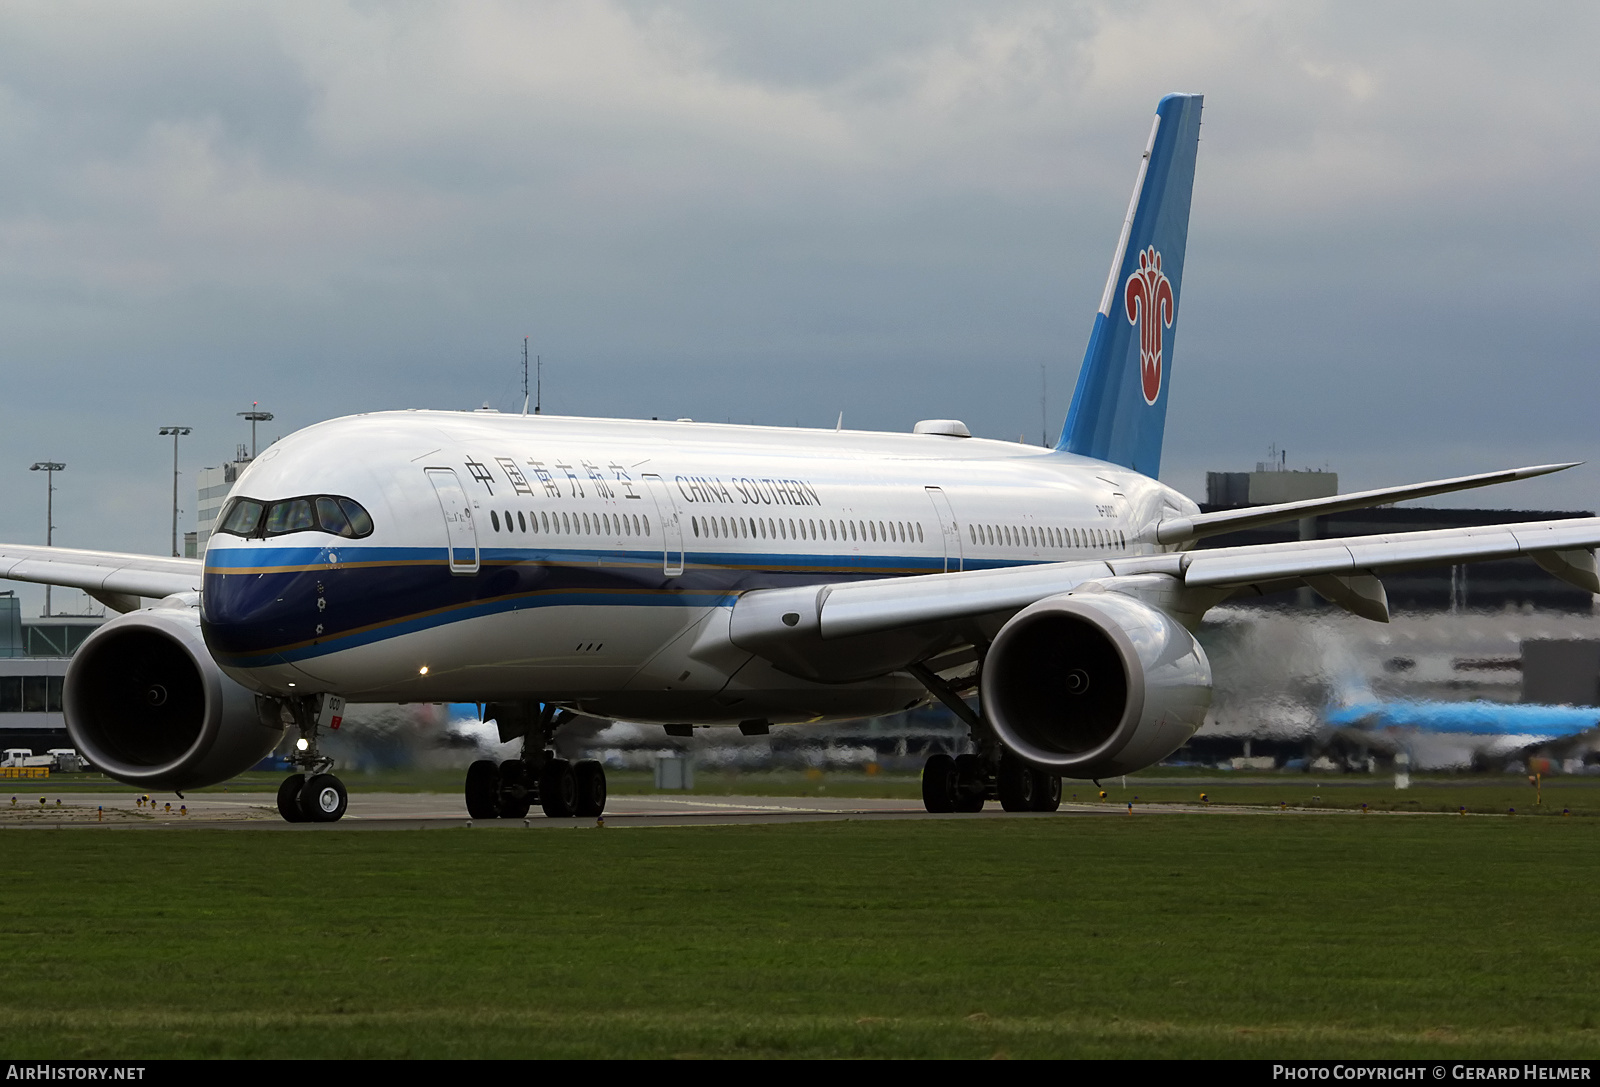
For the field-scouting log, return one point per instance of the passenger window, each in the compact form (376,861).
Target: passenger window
(494,519)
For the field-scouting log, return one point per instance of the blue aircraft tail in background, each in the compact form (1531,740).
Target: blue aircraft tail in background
(1119,409)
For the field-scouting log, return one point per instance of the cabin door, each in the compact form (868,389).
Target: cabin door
(947,524)
(461,534)
(671,526)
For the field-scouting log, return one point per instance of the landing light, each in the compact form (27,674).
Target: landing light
(301,744)
(423,670)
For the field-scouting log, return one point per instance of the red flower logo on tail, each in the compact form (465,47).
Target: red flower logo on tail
(1149,295)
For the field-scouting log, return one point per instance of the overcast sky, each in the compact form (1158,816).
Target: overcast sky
(777,212)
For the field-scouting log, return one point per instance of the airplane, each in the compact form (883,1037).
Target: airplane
(1455,735)
(1302,680)
(694,574)
(1435,734)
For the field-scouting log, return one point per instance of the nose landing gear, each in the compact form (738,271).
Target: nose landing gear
(311,795)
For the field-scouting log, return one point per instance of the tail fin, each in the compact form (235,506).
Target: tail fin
(1119,410)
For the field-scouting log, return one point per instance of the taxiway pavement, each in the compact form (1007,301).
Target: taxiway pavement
(397,811)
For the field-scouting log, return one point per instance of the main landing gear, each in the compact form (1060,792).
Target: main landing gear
(562,789)
(966,782)
(311,795)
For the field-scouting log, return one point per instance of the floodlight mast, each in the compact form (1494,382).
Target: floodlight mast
(176,432)
(255,415)
(49,468)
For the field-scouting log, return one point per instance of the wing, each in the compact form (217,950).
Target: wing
(855,629)
(115,579)
(1181,529)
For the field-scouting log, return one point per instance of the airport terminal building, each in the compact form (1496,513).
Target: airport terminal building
(34,655)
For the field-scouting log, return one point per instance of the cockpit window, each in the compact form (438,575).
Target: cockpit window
(291,516)
(242,517)
(331,517)
(333,514)
(360,521)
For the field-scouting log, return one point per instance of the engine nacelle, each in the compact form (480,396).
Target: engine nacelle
(1094,684)
(148,706)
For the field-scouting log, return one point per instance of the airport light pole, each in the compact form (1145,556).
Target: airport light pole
(176,432)
(255,415)
(49,468)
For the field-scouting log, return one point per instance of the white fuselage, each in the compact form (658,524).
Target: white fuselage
(593,563)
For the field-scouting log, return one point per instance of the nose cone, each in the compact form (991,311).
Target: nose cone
(254,615)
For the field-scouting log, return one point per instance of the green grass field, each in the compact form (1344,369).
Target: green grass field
(1156,935)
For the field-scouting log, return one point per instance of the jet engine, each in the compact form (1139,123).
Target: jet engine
(1089,685)
(147,705)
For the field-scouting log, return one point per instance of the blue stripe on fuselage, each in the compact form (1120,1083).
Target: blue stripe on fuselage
(263,604)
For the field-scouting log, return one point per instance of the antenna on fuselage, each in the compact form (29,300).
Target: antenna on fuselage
(1044,425)
(840,425)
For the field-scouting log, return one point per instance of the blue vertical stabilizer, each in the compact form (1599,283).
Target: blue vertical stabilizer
(1119,409)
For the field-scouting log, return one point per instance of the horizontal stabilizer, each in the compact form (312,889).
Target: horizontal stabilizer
(1181,529)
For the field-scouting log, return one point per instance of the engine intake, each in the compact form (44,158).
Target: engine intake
(147,705)
(1095,684)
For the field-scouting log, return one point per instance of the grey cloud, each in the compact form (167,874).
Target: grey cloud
(773,213)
